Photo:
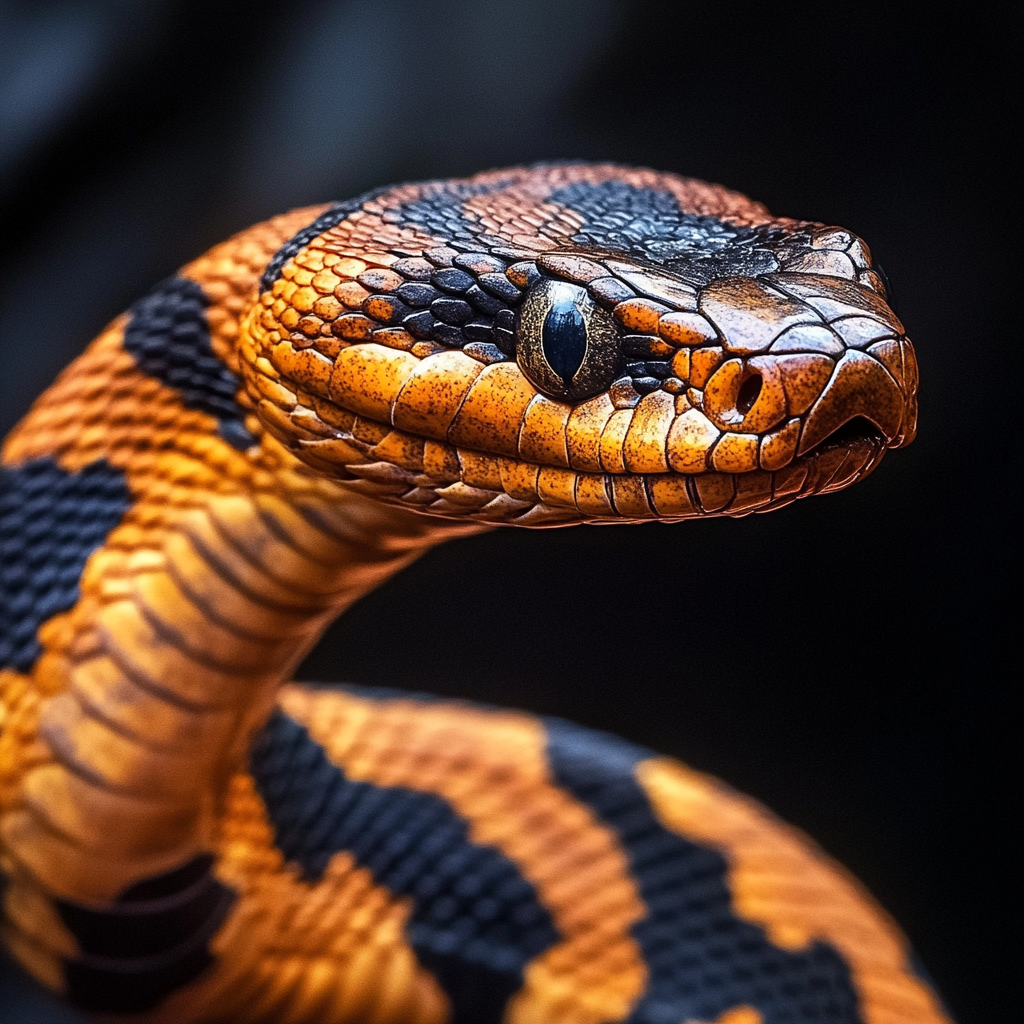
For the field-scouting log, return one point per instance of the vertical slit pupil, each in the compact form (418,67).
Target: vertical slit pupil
(564,337)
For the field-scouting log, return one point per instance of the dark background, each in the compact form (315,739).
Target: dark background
(846,660)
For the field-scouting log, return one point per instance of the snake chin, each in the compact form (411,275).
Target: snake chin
(849,454)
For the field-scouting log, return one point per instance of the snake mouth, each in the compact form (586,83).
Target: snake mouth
(851,452)
(859,433)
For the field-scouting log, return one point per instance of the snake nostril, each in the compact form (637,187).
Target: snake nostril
(748,393)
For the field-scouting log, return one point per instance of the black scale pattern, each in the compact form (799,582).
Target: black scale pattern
(648,224)
(170,339)
(703,959)
(465,302)
(445,304)
(439,211)
(153,939)
(475,923)
(448,297)
(50,522)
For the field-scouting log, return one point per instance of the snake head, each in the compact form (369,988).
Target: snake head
(547,345)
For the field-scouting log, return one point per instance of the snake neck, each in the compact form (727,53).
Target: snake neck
(220,570)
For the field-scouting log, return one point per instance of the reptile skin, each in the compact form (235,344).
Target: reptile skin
(265,437)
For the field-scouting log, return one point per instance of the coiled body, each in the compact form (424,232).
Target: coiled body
(294,417)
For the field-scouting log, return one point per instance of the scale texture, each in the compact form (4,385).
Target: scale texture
(188,836)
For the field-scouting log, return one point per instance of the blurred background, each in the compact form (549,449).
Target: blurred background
(847,660)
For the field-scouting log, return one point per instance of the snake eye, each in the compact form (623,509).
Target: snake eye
(567,346)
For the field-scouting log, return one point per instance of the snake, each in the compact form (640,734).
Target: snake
(187,835)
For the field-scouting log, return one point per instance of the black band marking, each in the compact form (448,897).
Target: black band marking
(702,958)
(475,923)
(169,337)
(151,940)
(50,522)
(648,224)
(438,211)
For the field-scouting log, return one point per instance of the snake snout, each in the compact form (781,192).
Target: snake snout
(819,359)
(860,389)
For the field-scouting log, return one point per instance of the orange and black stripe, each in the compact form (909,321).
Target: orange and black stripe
(187,837)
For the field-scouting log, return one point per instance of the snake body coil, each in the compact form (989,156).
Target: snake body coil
(296,415)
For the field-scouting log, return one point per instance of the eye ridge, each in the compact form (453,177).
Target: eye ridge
(564,337)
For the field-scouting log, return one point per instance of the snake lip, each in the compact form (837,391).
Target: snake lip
(860,389)
(854,433)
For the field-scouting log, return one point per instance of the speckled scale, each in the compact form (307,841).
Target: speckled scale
(416,294)
(452,280)
(451,311)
